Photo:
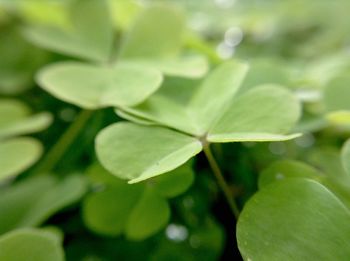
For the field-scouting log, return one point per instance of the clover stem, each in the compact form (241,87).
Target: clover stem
(220,179)
(65,141)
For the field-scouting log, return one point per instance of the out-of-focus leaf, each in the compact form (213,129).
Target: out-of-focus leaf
(341,117)
(156,32)
(16,119)
(328,160)
(336,94)
(204,242)
(187,66)
(18,154)
(94,87)
(110,209)
(107,212)
(18,63)
(265,72)
(149,215)
(65,193)
(30,244)
(137,152)
(124,12)
(174,182)
(85,38)
(33,200)
(345,157)
(283,169)
(312,223)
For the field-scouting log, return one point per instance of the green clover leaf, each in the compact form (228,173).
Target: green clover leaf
(212,114)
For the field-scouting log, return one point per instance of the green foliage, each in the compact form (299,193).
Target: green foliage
(30,244)
(147,30)
(109,108)
(30,202)
(162,150)
(280,205)
(16,119)
(81,37)
(17,154)
(93,87)
(138,210)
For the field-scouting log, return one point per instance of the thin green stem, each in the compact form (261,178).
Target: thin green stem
(220,179)
(65,141)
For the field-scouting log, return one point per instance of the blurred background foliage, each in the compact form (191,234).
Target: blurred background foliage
(304,45)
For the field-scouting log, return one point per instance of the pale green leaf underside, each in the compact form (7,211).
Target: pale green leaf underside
(18,154)
(261,114)
(187,66)
(30,244)
(136,152)
(33,200)
(94,87)
(150,214)
(156,32)
(312,223)
(85,37)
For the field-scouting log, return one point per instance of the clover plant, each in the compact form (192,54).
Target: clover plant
(168,130)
